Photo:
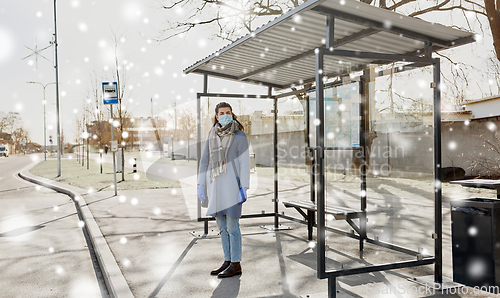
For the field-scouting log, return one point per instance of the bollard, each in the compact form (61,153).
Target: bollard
(135,166)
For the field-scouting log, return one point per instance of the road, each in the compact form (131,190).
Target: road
(43,249)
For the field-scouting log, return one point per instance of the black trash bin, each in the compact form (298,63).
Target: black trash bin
(475,229)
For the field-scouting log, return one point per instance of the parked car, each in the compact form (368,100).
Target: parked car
(4,150)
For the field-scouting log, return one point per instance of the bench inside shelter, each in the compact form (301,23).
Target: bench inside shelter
(338,212)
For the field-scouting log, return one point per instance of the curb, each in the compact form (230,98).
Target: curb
(113,276)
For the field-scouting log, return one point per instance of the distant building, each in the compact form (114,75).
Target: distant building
(486,109)
(34,147)
(148,133)
(6,139)
(451,116)
(261,122)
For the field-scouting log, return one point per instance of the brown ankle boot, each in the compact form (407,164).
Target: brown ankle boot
(222,268)
(232,270)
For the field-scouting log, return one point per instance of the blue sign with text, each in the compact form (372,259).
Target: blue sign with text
(110,93)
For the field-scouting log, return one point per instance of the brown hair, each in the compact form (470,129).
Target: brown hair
(224,104)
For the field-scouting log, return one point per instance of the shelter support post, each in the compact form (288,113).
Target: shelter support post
(332,287)
(275,157)
(198,141)
(320,150)
(310,214)
(438,219)
(320,170)
(198,145)
(330,31)
(363,112)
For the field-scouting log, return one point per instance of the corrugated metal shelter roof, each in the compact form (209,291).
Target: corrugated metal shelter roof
(280,54)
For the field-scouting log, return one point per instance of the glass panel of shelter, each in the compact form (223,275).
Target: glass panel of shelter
(399,180)
(293,153)
(400,183)
(257,118)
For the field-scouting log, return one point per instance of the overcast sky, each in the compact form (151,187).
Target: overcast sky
(85,29)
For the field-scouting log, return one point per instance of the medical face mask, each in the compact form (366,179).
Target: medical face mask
(225,119)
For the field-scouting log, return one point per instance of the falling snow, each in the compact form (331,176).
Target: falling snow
(83,27)
(59,270)
(491,126)
(126,263)
(476,268)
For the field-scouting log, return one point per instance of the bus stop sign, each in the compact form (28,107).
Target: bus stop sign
(110,93)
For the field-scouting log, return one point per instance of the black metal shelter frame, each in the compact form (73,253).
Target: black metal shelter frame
(318,169)
(319,162)
(316,218)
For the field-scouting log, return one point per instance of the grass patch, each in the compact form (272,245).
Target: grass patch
(74,173)
(168,161)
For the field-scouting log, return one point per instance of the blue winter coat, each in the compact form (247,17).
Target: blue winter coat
(222,193)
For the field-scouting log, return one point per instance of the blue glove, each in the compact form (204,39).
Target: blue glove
(242,195)
(201,192)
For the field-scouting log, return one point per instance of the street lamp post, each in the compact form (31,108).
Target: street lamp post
(88,154)
(100,158)
(56,67)
(44,118)
(132,131)
(86,138)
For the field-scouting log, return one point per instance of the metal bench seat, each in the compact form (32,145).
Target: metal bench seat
(337,211)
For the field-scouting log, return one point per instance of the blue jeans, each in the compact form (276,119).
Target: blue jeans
(230,236)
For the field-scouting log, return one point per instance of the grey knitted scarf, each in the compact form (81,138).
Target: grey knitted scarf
(220,139)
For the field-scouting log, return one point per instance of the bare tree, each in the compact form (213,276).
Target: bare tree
(99,129)
(3,121)
(487,165)
(233,18)
(120,75)
(9,122)
(493,75)
(85,126)
(159,126)
(230,18)
(19,135)
(77,131)
(186,125)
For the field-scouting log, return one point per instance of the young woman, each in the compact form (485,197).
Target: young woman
(225,171)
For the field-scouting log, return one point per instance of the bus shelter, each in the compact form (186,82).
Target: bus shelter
(327,46)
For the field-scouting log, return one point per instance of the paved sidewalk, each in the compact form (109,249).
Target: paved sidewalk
(147,232)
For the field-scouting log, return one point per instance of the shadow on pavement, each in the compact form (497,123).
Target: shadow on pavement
(26,229)
(20,231)
(228,287)
(174,267)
